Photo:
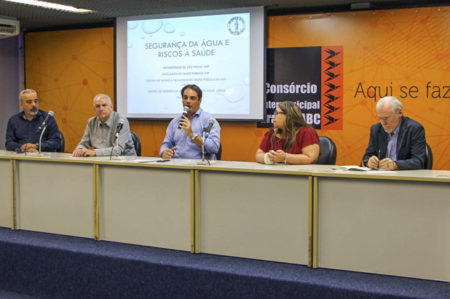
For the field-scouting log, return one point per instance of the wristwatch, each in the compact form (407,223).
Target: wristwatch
(194,136)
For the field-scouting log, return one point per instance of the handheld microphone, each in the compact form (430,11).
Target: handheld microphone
(209,127)
(185,111)
(44,123)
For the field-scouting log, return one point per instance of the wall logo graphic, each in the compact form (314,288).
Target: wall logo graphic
(236,25)
(332,80)
(311,77)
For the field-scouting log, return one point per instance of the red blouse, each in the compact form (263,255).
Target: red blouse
(305,136)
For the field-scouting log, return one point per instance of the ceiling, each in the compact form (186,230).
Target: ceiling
(35,18)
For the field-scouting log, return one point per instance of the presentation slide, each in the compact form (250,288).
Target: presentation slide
(213,51)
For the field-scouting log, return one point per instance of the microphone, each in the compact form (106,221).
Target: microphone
(206,135)
(185,111)
(43,126)
(119,127)
(210,125)
(116,136)
(44,123)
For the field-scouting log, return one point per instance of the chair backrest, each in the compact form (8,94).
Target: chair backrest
(137,142)
(328,151)
(219,153)
(429,158)
(63,143)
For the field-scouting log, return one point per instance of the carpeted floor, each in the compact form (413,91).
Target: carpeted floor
(40,265)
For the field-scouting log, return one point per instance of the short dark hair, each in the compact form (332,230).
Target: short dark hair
(194,88)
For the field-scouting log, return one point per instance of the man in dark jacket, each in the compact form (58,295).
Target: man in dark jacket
(24,128)
(397,142)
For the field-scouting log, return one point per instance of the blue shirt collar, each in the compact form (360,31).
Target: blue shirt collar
(395,133)
(198,112)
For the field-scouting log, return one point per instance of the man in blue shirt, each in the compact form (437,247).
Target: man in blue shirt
(24,128)
(184,135)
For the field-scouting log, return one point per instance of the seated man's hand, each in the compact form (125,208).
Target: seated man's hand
(388,164)
(373,162)
(89,153)
(168,153)
(32,150)
(29,148)
(185,124)
(78,152)
(83,152)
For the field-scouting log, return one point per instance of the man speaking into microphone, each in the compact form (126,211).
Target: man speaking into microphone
(104,129)
(24,128)
(184,135)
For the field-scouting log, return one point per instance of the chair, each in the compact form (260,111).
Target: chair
(328,151)
(428,158)
(137,142)
(219,153)
(62,145)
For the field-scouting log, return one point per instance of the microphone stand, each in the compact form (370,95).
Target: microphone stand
(204,137)
(40,138)
(203,145)
(116,137)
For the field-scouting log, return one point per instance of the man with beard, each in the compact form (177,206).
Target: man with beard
(24,128)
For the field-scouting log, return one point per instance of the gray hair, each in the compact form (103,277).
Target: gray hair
(100,96)
(24,92)
(396,105)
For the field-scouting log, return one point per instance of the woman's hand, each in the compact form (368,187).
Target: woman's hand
(277,156)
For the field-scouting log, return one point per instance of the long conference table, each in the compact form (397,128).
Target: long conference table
(387,222)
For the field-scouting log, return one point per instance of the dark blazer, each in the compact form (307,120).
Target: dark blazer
(411,144)
(20,131)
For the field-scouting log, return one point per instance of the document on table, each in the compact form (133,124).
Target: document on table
(359,168)
(143,160)
(351,167)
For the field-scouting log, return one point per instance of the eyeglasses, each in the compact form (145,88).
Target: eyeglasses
(386,118)
(278,112)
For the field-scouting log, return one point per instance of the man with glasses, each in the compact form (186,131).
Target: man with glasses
(397,142)
(24,128)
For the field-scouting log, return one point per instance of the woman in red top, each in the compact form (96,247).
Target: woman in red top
(291,141)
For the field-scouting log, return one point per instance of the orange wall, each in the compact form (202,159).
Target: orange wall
(396,49)
(67,69)
(407,47)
